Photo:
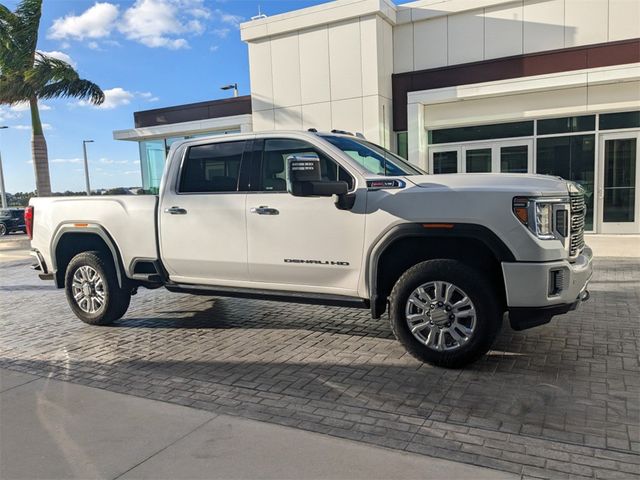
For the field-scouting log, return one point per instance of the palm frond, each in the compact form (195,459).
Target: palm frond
(78,88)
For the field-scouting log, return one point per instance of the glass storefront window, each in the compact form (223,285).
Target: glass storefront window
(481,132)
(445,162)
(619,180)
(514,159)
(478,160)
(152,155)
(403,145)
(611,121)
(572,158)
(584,123)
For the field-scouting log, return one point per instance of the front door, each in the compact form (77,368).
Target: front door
(619,183)
(203,234)
(301,243)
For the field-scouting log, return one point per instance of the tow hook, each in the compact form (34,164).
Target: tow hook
(585,295)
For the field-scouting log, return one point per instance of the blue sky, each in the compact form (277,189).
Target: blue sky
(145,54)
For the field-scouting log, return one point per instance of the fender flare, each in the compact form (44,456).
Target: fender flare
(408,230)
(92,229)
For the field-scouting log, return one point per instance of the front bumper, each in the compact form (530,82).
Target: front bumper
(538,291)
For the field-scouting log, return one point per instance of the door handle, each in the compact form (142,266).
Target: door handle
(264,210)
(175,211)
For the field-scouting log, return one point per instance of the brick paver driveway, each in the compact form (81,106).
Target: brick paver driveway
(559,401)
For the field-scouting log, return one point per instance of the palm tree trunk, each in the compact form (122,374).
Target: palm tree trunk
(39,152)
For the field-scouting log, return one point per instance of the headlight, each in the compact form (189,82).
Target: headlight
(546,218)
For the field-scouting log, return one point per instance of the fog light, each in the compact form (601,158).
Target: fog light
(556,282)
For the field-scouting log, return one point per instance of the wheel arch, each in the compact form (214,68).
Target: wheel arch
(70,240)
(470,243)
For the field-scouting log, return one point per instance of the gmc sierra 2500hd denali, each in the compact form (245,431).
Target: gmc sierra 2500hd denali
(328,218)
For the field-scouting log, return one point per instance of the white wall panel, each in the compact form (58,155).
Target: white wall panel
(314,66)
(286,71)
(385,57)
(465,35)
(372,116)
(369,55)
(403,48)
(261,79)
(506,108)
(347,115)
(344,59)
(263,120)
(543,25)
(503,30)
(289,118)
(430,43)
(624,19)
(316,115)
(586,21)
(615,96)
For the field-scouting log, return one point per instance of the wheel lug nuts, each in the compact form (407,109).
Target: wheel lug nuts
(448,308)
(440,304)
(451,317)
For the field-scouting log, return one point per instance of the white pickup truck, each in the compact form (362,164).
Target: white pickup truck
(328,218)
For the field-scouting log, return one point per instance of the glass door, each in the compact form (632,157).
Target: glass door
(619,183)
(503,156)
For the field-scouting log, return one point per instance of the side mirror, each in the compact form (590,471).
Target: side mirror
(305,179)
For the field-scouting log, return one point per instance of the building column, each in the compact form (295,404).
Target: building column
(416,135)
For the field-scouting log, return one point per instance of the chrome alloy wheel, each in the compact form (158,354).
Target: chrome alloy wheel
(88,289)
(441,316)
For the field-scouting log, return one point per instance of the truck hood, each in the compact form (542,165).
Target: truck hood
(517,183)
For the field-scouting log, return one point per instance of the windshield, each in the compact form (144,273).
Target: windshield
(373,158)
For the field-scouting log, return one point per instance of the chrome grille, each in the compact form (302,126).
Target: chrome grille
(578,212)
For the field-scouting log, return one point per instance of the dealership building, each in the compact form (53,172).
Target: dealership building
(537,86)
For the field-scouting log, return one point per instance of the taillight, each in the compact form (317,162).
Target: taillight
(28,221)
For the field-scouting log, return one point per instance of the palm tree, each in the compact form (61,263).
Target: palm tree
(27,75)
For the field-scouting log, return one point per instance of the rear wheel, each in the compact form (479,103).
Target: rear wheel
(92,289)
(444,313)
(3,230)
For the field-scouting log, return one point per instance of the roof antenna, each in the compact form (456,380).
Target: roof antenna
(259,15)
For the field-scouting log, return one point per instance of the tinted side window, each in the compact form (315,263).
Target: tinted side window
(212,168)
(273,177)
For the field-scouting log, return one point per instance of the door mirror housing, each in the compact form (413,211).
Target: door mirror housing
(305,178)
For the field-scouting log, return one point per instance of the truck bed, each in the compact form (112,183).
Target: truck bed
(129,220)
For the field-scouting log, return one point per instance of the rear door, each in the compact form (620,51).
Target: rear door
(203,235)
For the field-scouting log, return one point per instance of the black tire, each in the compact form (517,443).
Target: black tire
(116,299)
(3,230)
(477,287)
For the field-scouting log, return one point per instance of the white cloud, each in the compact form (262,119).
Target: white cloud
(65,160)
(221,32)
(60,56)
(154,22)
(113,97)
(228,18)
(148,96)
(214,48)
(96,22)
(24,106)
(108,161)
(93,45)
(45,126)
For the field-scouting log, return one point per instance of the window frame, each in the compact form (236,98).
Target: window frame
(242,186)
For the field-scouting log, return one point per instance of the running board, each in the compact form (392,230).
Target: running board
(274,295)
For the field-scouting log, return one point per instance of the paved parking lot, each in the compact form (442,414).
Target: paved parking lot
(559,401)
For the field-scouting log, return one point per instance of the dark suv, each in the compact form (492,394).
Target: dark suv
(12,220)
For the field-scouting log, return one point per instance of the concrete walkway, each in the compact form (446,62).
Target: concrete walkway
(52,429)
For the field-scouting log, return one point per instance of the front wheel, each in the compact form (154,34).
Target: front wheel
(444,313)
(92,289)
(3,230)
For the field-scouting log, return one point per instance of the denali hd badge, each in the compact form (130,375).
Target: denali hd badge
(316,262)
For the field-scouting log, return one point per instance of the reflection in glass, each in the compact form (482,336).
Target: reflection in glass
(445,162)
(514,159)
(619,180)
(572,158)
(478,160)
(152,153)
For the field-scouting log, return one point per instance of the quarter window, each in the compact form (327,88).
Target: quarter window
(212,168)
